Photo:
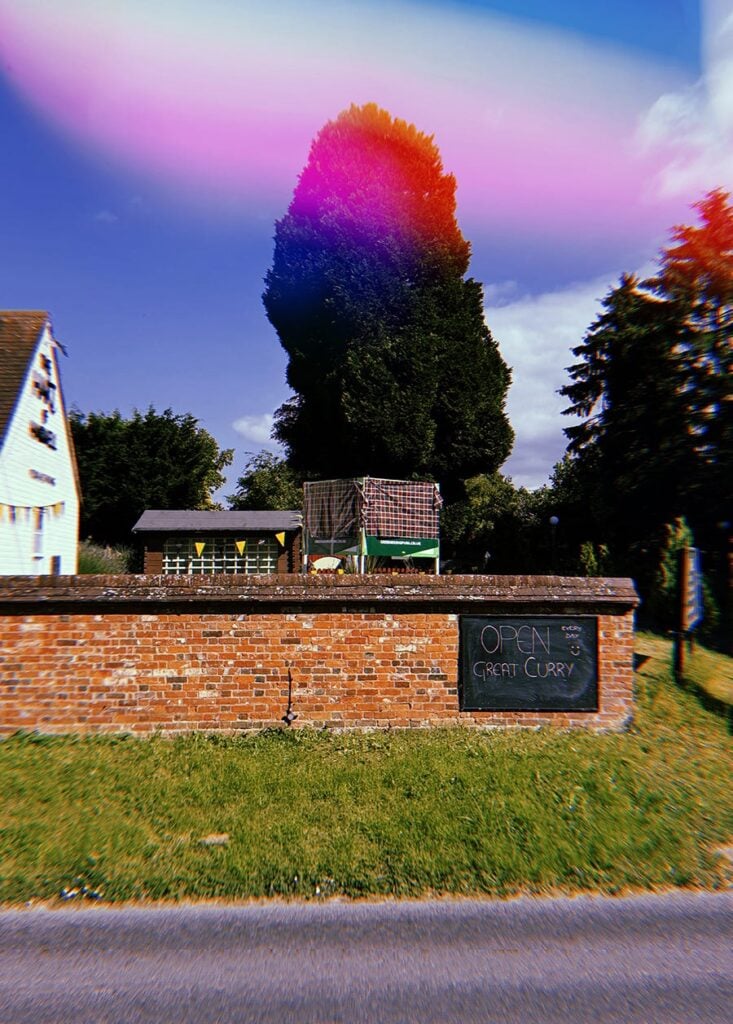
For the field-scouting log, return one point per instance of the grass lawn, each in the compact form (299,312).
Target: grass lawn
(705,670)
(311,814)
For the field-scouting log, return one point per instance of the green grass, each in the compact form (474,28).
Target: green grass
(705,670)
(312,814)
(712,674)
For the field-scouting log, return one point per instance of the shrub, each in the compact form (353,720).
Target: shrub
(103,561)
(664,598)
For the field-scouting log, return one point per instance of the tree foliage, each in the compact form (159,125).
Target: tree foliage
(152,460)
(697,271)
(634,447)
(268,482)
(394,370)
(654,390)
(497,527)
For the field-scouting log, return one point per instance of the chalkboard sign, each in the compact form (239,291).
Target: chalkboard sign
(528,664)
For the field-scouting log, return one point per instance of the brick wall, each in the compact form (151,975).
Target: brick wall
(105,654)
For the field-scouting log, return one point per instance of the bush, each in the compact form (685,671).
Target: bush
(103,561)
(594,559)
(664,598)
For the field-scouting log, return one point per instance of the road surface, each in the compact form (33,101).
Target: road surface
(664,959)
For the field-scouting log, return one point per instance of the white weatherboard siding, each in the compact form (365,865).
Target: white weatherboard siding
(36,480)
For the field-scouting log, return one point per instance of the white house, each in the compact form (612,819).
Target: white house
(39,486)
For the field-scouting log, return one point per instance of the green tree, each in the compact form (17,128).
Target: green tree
(152,460)
(633,449)
(654,390)
(268,482)
(664,598)
(394,370)
(697,271)
(497,527)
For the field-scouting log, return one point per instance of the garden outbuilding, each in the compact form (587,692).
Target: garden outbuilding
(178,542)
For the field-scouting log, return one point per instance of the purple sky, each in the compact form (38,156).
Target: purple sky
(148,149)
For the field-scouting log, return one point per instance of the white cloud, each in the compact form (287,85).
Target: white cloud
(106,217)
(256,428)
(693,129)
(502,293)
(536,335)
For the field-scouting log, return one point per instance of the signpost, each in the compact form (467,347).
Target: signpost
(691,604)
(547,663)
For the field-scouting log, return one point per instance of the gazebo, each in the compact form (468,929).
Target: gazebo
(371,517)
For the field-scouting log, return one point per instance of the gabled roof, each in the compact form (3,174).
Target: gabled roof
(20,330)
(179,521)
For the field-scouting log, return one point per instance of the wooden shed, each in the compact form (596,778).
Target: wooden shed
(204,543)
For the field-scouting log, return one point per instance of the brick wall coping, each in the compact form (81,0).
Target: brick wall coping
(500,593)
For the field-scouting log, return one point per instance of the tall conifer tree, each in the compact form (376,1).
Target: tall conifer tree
(654,389)
(394,370)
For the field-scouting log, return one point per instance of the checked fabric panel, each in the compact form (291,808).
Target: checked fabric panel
(336,510)
(400,508)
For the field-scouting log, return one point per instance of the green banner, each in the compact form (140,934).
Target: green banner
(399,547)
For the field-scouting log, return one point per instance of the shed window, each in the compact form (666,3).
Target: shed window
(219,554)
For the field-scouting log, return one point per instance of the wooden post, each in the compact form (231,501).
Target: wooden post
(681,632)
(679,655)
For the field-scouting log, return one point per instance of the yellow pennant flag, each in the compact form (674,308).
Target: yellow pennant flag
(240,545)
(281,538)
(199,545)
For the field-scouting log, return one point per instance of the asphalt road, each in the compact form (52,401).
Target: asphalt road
(654,960)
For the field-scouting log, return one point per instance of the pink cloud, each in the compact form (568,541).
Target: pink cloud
(539,133)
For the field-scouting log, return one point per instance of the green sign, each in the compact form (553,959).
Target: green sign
(400,547)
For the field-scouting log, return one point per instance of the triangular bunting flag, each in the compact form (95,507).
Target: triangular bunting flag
(199,545)
(281,538)
(240,545)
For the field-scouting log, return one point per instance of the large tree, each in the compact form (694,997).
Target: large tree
(394,370)
(654,389)
(152,460)
(697,271)
(634,446)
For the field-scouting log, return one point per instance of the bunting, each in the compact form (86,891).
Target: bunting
(281,538)
(16,513)
(199,545)
(240,546)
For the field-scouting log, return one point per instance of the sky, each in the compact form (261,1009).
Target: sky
(146,150)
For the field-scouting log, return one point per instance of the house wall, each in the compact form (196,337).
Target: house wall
(109,654)
(35,476)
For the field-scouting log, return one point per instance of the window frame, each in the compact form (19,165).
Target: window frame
(220,555)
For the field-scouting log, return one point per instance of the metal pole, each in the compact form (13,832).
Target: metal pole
(553,541)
